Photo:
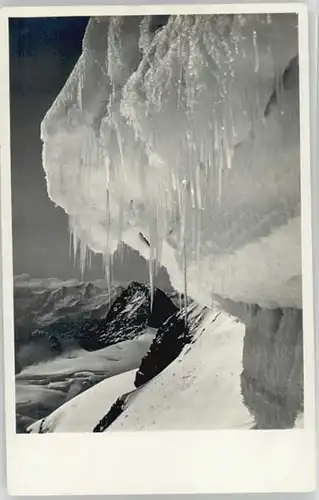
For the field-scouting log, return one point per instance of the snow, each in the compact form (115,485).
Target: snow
(83,412)
(190,138)
(184,144)
(25,281)
(199,390)
(251,271)
(300,422)
(26,394)
(44,387)
(111,360)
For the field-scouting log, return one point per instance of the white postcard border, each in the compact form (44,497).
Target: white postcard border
(159,462)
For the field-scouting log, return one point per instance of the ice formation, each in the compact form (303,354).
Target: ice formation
(183,142)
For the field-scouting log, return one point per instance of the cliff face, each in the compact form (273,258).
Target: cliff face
(272,383)
(272,377)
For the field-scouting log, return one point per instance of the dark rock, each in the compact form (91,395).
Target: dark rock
(158,22)
(162,309)
(115,411)
(22,423)
(170,339)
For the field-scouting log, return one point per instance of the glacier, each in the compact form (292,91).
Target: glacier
(180,137)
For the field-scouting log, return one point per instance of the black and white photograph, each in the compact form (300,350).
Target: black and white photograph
(156,223)
(156,249)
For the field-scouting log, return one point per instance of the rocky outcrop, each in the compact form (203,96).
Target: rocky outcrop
(115,411)
(175,333)
(170,339)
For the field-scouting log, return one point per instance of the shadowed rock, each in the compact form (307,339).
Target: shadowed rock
(170,339)
(272,377)
(114,412)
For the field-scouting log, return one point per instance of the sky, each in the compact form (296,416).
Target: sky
(43,52)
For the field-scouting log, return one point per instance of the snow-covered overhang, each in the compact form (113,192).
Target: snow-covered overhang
(180,137)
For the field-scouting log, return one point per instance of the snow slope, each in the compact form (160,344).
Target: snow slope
(199,390)
(109,361)
(82,413)
(43,387)
(184,144)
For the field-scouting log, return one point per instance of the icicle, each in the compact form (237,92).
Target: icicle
(83,255)
(119,142)
(167,134)
(81,80)
(256,51)
(151,277)
(220,176)
(180,300)
(120,221)
(152,257)
(79,92)
(198,248)
(71,243)
(89,259)
(185,281)
(108,272)
(198,189)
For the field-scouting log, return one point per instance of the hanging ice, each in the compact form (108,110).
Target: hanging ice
(183,142)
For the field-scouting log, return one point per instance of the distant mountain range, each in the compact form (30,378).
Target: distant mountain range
(58,325)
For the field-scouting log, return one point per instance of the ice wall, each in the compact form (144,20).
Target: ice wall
(183,142)
(272,376)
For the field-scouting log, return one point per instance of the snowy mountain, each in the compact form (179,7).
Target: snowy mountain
(84,411)
(133,310)
(214,374)
(71,336)
(41,302)
(51,305)
(87,315)
(43,387)
(200,389)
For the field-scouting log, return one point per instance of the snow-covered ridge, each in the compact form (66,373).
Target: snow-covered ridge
(122,355)
(184,144)
(199,390)
(43,387)
(208,385)
(83,412)
(71,337)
